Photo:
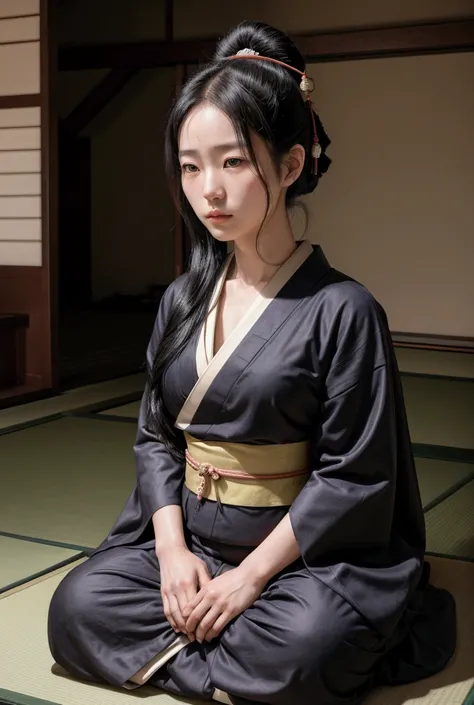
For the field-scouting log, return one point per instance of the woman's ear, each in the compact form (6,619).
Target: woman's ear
(292,164)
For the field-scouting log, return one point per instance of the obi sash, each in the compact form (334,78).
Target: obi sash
(246,475)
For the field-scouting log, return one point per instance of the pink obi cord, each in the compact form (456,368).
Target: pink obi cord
(206,470)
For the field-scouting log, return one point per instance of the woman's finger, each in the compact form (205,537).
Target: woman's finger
(192,604)
(183,600)
(167,611)
(203,575)
(207,622)
(176,613)
(221,622)
(197,614)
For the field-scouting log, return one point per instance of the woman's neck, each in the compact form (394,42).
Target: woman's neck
(254,267)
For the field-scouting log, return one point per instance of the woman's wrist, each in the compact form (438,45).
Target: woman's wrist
(168,528)
(275,553)
(162,549)
(256,569)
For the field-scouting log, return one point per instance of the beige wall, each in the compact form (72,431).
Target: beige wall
(20,148)
(396,209)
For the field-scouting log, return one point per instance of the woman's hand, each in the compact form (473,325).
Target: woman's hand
(219,601)
(182,575)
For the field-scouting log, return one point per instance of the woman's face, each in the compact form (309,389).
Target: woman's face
(216,175)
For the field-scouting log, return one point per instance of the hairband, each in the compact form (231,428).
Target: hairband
(306,85)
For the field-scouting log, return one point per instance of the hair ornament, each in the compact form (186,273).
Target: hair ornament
(307,84)
(247,52)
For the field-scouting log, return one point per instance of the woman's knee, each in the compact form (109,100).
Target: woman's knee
(73,600)
(299,624)
(316,655)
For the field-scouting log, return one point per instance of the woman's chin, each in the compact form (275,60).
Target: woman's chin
(221,235)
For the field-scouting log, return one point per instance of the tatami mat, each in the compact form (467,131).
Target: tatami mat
(440,411)
(66,480)
(435,477)
(450,525)
(131,410)
(23,560)
(434,362)
(28,668)
(76,398)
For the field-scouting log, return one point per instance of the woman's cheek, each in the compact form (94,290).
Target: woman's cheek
(190,193)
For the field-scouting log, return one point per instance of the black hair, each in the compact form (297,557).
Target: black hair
(258,97)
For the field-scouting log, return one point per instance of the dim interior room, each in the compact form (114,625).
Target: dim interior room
(90,239)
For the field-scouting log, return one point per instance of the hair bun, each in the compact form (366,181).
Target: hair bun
(264,40)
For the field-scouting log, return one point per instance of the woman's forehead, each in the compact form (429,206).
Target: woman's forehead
(205,128)
(208,130)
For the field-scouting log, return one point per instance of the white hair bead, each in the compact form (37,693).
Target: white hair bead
(306,85)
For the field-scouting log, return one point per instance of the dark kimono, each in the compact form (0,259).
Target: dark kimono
(312,360)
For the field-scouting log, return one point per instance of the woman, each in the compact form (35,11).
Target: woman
(272,550)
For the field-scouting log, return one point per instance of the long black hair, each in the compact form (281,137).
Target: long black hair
(258,97)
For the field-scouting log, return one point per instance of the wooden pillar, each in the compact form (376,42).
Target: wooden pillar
(49,188)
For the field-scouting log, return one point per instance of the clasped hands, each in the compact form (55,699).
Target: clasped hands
(197,605)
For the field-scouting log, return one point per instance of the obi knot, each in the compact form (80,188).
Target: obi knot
(205,471)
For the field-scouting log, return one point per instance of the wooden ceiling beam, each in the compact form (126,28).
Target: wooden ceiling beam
(403,40)
(407,40)
(96,100)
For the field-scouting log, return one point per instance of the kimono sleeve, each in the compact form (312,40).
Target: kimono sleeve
(348,500)
(159,475)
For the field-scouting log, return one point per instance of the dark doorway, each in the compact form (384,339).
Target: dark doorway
(74,221)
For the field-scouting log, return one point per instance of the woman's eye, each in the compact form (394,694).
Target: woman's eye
(189,168)
(234,161)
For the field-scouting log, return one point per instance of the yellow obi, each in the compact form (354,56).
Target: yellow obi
(246,475)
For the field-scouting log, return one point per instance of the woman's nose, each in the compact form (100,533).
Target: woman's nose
(213,188)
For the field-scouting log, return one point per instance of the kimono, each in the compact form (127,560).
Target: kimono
(310,363)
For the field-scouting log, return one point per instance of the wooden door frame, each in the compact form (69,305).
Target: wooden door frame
(49,183)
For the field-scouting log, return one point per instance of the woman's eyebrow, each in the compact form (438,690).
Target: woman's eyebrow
(217,148)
